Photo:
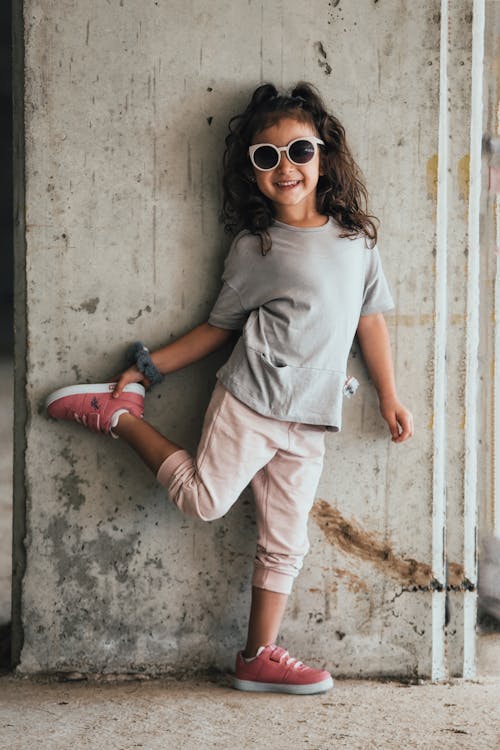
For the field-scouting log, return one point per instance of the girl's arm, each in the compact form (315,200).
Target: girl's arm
(376,348)
(189,348)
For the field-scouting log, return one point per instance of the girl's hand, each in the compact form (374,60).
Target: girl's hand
(399,419)
(132,375)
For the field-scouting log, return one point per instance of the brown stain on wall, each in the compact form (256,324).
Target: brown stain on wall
(432,178)
(463,170)
(423,319)
(351,581)
(463,179)
(455,574)
(367,545)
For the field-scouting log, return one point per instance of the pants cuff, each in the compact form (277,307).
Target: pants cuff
(265,578)
(170,466)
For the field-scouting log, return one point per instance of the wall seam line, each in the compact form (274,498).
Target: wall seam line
(472,339)
(439,457)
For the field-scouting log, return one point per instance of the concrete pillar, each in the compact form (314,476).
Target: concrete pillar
(125,113)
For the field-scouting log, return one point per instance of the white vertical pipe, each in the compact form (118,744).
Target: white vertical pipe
(472,341)
(439,483)
(496,381)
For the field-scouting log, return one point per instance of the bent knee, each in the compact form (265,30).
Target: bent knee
(193,496)
(209,513)
(194,500)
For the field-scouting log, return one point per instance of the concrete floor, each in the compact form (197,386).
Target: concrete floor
(200,714)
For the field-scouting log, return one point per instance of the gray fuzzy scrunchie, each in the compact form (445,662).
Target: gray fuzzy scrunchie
(138,355)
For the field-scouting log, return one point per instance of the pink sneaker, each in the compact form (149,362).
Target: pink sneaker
(93,405)
(273,670)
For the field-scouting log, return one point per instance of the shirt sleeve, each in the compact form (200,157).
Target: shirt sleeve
(376,296)
(229,310)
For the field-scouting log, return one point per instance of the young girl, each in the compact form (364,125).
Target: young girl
(302,277)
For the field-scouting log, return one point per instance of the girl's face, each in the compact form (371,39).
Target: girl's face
(291,187)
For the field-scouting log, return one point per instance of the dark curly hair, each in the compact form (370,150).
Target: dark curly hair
(340,192)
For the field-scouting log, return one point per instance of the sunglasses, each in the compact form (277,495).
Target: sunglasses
(266,156)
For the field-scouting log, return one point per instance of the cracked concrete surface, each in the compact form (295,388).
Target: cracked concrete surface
(199,714)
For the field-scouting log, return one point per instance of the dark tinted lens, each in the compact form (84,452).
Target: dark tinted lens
(301,152)
(265,157)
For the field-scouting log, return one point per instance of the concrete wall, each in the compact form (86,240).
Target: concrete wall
(126,106)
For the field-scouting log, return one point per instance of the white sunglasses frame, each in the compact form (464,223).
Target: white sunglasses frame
(309,138)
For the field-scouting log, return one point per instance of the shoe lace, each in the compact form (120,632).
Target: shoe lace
(82,419)
(290,661)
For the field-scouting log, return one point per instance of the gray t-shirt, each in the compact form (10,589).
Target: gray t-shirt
(299,308)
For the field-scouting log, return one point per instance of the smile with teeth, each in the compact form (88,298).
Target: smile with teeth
(288,183)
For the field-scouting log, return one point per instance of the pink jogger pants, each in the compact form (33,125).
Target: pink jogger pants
(281,460)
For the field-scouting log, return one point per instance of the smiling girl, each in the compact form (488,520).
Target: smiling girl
(302,278)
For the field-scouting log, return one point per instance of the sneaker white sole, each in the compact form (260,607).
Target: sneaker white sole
(74,390)
(276,687)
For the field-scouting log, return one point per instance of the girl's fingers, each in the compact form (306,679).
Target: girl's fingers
(406,422)
(391,417)
(123,379)
(394,428)
(129,376)
(399,420)
(122,382)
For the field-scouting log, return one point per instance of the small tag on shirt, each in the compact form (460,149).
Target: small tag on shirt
(350,386)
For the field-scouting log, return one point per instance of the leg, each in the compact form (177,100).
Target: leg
(147,442)
(235,443)
(266,614)
(95,406)
(284,492)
